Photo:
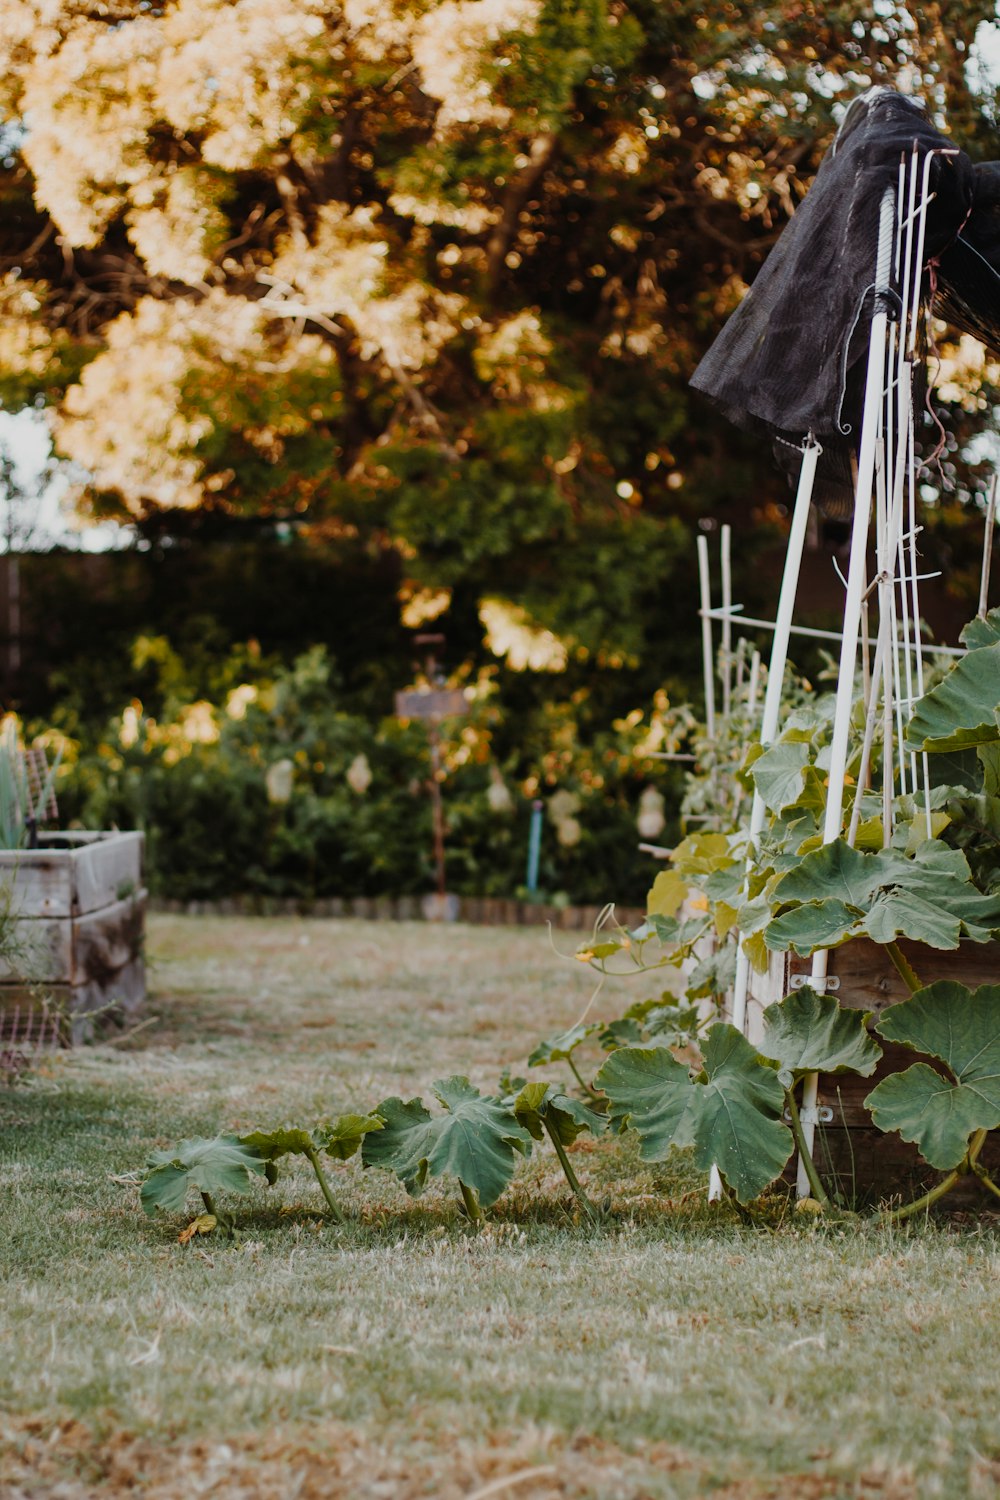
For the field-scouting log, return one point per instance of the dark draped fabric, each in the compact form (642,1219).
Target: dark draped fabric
(791,360)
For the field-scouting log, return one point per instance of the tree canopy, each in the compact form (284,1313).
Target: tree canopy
(431,274)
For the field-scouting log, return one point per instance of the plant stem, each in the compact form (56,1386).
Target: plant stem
(209,1203)
(591,1093)
(335,1211)
(567,1167)
(473,1207)
(903,967)
(986,1179)
(805,1155)
(975,1146)
(931,1196)
(967,1164)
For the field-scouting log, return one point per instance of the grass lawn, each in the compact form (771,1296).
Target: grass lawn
(670,1352)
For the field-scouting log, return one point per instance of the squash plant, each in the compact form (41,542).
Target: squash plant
(674,1073)
(935,881)
(477,1140)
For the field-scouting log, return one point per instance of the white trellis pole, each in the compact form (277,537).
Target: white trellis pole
(875,382)
(772,708)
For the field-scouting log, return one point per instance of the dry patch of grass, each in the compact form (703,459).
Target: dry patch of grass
(671,1351)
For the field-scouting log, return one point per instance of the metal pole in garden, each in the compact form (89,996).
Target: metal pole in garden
(991,515)
(707,650)
(430,704)
(534,846)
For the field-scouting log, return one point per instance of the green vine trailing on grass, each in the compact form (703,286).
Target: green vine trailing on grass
(679,1077)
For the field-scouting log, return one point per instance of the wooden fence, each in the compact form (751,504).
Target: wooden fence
(481,911)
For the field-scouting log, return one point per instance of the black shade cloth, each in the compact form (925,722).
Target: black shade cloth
(791,359)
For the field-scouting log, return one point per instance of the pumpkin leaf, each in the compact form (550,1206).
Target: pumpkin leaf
(624,1032)
(779,775)
(343,1137)
(560,1047)
(730,1114)
(958,1026)
(666,894)
(286,1141)
(961,710)
(714,974)
(810,1033)
(834,872)
(396,1145)
(901,913)
(981,631)
(477,1140)
(223,1164)
(541,1102)
(818,924)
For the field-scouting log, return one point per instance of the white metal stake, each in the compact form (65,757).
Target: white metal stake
(775,682)
(707,652)
(984,582)
(772,709)
(754,684)
(727,621)
(874,391)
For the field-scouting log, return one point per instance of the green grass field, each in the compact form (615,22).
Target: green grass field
(670,1352)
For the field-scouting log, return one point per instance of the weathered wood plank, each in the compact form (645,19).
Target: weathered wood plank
(36,883)
(869,980)
(75,1010)
(72,873)
(107,870)
(105,940)
(865,1162)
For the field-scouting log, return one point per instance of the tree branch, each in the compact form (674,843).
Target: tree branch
(543,149)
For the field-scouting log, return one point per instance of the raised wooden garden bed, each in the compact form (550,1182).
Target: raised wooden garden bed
(863,1162)
(80,905)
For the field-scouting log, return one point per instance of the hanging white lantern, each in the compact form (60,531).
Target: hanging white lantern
(498,793)
(359,775)
(278,780)
(569,832)
(651,820)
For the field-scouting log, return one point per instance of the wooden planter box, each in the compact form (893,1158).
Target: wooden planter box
(80,905)
(866,1163)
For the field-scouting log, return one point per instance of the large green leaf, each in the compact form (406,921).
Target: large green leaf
(394,1146)
(652,1092)
(667,894)
(810,1033)
(835,872)
(900,913)
(568,1117)
(962,709)
(223,1164)
(288,1140)
(341,1137)
(961,1028)
(730,1113)
(819,924)
(714,974)
(476,1140)
(982,631)
(779,775)
(560,1047)
(928,897)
